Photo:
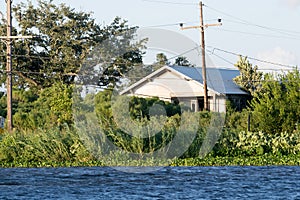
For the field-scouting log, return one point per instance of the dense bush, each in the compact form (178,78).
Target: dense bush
(243,143)
(276,108)
(51,108)
(135,129)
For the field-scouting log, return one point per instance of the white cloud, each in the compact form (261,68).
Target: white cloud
(277,55)
(292,3)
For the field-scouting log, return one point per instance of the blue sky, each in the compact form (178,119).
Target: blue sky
(267,30)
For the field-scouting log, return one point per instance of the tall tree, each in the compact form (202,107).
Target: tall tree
(250,78)
(67,44)
(161,60)
(65,39)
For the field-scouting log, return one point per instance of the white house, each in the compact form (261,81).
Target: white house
(185,84)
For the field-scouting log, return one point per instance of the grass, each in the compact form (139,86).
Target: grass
(64,148)
(265,160)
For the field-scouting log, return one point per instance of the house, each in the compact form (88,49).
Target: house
(185,85)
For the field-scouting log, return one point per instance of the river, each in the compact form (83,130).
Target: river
(270,182)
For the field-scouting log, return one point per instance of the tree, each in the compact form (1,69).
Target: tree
(52,108)
(276,108)
(249,78)
(161,60)
(65,39)
(182,61)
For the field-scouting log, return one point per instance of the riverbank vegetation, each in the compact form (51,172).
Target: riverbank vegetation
(54,125)
(62,144)
(57,148)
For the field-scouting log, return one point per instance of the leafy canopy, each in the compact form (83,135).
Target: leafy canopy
(45,67)
(64,39)
(276,108)
(250,78)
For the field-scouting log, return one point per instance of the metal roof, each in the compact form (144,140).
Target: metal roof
(218,79)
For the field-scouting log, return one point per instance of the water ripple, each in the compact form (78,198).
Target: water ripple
(167,183)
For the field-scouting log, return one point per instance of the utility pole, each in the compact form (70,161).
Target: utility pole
(8,38)
(202,39)
(8,67)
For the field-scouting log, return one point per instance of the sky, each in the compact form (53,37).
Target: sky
(267,32)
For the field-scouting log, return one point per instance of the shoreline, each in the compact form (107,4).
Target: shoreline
(264,160)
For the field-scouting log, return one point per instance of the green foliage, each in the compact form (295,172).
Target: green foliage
(47,65)
(103,107)
(22,101)
(140,107)
(65,39)
(139,122)
(137,130)
(182,61)
(42,139)
(50,22)
(53,108)
(249,78)
(236,120)
(276,108)
(243,143)
(263,160)
(3,105)
(161,60)
(37,147)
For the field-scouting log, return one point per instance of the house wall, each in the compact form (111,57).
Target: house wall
(170,86)
(218,103)
(154,89)
(166,86)
(191,102)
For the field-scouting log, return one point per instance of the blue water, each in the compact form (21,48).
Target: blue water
(166,183)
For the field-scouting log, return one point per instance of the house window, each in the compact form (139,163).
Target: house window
(201,103)
(239,102)
(194,105)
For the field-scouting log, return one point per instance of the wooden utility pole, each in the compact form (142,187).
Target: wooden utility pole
(203,58)
(202,39)
(8,38)
(8,67)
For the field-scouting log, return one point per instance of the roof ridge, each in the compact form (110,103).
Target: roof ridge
(217,67)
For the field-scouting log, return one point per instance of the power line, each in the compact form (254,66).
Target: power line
(212,52)
(258,34)
(175,24)
(287,36)
(181,54)
(232,53)
(161,25)
(170,2)
(220,57)
(233,64)
(282,31)
(171,24)
(252,58)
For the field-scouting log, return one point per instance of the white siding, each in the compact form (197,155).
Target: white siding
(168,85)
(217,103)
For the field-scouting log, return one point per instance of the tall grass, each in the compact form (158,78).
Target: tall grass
(42,148)
(70,147)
